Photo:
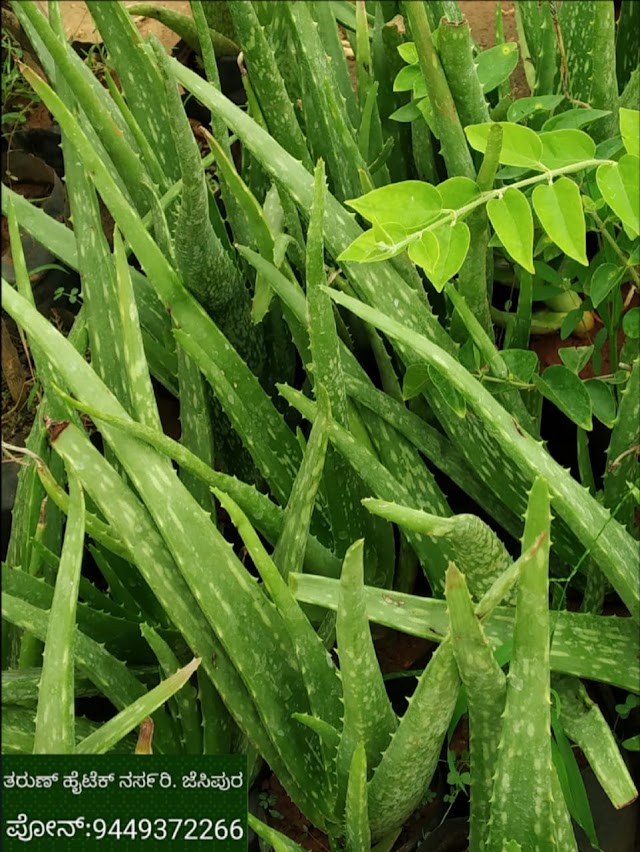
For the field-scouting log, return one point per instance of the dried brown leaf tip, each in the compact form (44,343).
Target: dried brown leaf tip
(55,428)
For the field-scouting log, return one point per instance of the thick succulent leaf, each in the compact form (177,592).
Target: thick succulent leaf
(575,634)
(610,545)
(368,717)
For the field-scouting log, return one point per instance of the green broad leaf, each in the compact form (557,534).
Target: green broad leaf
(632,744)
(456,192)
(520,145)
(603,403)
(408,52)
(452,243)
(496,65)
(367,249)
(630,130)
(565,147)
(407,78)
(521,363)
(574,118)
(570,322)
(564,389)
(559,209)
(603,280)
(512,220)
(415,380)
(575,358)
(456,402)
(408,112)
(619,184)
(412,204)
(631,323)
(524,107)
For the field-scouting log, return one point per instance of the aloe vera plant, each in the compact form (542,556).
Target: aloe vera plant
(391,334)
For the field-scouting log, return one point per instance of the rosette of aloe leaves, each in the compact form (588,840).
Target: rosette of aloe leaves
(338,387)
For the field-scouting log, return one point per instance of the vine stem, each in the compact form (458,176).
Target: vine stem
(454,215)
(607,236)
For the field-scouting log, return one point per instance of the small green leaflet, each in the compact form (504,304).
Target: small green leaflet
(524,107)
(565,390)
(456,192)
(411,203)
(603,402)
(521,363)
(630,130)
(441,252)
(565,147)
(574,118)
(512,221)
(603,280)
(575,358)
(450,395)
(408,52)
(415,381)
(631,323)
(619,184)
(559,209)
(496,65)
(418,377)
(520,145)
(367,249)
(408,112)
(407,78)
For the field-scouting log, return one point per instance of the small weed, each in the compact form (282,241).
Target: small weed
(18,98)
(267,802)
(72,296)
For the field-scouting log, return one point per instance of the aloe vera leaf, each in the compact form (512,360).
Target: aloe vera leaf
(99,105)
(120,636)
(20,686)
(127,589)
(130,522)
(126,720)
(217,725)
(205,267)
(583,722)
(110,675)
(485,685)
(206,48)
(54,732)
(329,129)
(267,82)
(185,310)
(475,548)
(96,528)
(511,399)
(630,95)
(196,432)
(18,726)
(330,38)
(524,766)
(610,545)
(574,636)
(279,842)
(171,589)
(143,401)
(369,720)
(448,127)
(404,773)
(289,550)
(357,834)
(60,240)
(380,283)
(139,78)
(318,671)
(327,733)
(263,514)
(187,714)
(175,511)
(274,466)
(185,27)
(342,488)
(538,46)
(622,460)
(379,480)
(455,51)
